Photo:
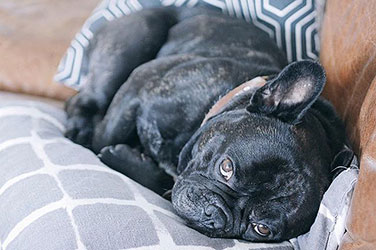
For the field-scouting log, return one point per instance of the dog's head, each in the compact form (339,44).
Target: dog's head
(258,169)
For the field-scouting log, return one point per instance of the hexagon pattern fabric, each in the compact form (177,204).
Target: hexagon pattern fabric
(293,24)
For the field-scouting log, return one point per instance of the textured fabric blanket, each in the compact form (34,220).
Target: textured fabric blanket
(55,194)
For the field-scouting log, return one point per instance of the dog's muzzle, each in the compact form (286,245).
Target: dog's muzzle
(203,208)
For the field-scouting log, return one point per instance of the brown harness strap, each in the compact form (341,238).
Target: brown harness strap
(253,84)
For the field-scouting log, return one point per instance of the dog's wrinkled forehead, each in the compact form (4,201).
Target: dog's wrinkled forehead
(241,124)
(247,137)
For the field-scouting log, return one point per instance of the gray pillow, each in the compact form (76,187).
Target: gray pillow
(55,194)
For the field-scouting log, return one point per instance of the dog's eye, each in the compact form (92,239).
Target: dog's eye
(261,229)
(227,169)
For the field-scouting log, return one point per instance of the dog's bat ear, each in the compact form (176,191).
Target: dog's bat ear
(291,93)
(186,153)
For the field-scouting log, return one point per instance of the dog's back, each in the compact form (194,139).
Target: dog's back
(204,57)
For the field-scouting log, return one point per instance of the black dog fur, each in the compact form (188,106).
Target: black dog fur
(153,76)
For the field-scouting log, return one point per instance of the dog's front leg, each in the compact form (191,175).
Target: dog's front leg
(137,166)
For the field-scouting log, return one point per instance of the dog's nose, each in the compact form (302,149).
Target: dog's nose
(214,218)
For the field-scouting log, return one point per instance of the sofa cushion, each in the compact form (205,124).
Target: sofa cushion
(349,57)
(294,25)
(55,194)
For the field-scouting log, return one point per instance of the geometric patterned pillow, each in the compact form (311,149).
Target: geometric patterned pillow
(293,24)
(55,194)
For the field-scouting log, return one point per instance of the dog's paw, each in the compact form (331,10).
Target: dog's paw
(81,110)
(81,104)
(138,167)
(120,154)
(80,129)
(109,155)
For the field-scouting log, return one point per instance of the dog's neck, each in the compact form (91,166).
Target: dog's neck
(250,85)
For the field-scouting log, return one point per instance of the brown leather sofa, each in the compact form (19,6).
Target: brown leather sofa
(30,52)
(348,53)
(34,35)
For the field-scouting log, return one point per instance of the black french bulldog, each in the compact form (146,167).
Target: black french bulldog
(257,169)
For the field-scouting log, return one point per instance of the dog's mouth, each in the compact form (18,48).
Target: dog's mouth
(209,210)
(203,209)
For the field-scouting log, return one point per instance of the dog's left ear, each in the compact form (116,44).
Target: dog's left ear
(291,93)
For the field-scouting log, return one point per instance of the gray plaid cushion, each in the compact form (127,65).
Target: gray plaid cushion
(55,194)
(293,24)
